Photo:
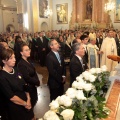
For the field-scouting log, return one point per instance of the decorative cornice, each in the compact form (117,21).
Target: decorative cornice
(10,8)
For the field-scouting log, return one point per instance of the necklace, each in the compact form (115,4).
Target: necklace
(9,72)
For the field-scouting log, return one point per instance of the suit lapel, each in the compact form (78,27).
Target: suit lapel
(53,54)
(79,62)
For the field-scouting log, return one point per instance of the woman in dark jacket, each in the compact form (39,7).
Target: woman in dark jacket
(16,98)
(29,73)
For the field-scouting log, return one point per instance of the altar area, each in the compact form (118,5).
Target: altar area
(89,14)
(112,98)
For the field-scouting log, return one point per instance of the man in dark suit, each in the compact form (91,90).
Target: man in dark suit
(56,69)
(77,63)
(84,40)
(42,46)
(99,40)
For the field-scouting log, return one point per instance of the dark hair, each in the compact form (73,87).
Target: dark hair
(22,45)
(83,37)
(6,54)
(74,41)
(17,39)
(1,47)
(86,33)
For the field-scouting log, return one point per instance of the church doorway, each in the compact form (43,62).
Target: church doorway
(10,28)
(44,26)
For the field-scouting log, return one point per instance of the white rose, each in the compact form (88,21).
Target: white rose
(67,114)
(104,68)
(61,100)
(98,70)
(92,70)
(54,105)
(80,95)
(50,115)
(86,75)
(88,87)
(92,78)
(79,78)
(65,100)
(71,92)
(80,85)
(57,98)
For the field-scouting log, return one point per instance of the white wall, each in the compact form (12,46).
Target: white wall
(10,17)
(115,25)
(7,16)
(45,20)
(54,21)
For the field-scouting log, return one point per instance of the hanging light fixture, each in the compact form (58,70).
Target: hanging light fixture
(48,12)
(110,6)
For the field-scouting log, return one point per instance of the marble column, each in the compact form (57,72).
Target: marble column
(93,10)
(1,18)
(103,11)
(78,11)
(35,15)
(73,16)
(20,14)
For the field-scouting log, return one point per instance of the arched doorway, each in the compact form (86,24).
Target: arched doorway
(44,26)
(10,28)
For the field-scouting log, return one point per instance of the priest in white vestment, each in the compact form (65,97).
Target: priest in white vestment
(109,48)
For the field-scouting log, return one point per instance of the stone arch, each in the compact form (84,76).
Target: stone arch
(44,26)
(10,28)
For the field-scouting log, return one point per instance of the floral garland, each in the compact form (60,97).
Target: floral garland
(85,100)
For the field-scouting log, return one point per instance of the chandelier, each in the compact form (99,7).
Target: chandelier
(110,6)
(48,12)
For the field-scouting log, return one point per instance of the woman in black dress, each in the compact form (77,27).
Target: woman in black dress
(29,73)
(12,86)
(3,106)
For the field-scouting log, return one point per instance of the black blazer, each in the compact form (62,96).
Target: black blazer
(76,68)
(99,43)
(55,69)
(28,72)
(41,44)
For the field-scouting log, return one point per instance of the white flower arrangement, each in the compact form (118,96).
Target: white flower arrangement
(80,101)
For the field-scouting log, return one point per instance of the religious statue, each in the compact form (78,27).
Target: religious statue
(89,9)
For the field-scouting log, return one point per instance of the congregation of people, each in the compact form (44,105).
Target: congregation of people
(79,50)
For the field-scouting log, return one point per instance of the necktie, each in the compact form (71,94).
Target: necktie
(82,63)
(41,39)
(58,57)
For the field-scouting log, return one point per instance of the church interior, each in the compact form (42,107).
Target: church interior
(32,16)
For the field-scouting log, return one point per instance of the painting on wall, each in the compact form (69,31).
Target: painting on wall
(62,13)
(42,7)
(117,11)
(88,11)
